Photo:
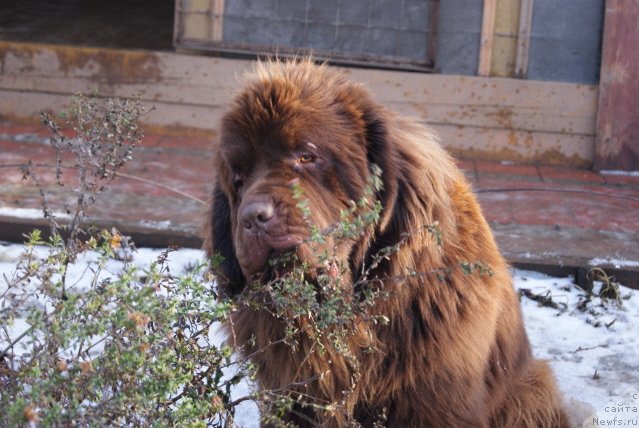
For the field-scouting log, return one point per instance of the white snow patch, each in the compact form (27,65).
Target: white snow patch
(30,213)
(593,352)
(178,262)
(618,172)
(27,137)
(617,263)
(162,225)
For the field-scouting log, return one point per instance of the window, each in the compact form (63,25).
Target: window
(394,33)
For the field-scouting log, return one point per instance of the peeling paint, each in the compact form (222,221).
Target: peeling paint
(547,157)
(617,144)
(103,65)
(503,117)
(176,129)
(616,73)
(504,124)
(512,139)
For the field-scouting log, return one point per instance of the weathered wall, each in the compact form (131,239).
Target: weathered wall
(565,42)
(617,145)
(491,118)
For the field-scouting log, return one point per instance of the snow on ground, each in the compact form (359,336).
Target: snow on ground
(614,261)
(618,172)
(30,213)
(593,347)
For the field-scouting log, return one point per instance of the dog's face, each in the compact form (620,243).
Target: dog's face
(291,128)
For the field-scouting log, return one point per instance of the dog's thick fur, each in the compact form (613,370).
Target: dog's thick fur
(455,352)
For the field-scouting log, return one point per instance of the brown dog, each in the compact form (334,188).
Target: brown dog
(454,352)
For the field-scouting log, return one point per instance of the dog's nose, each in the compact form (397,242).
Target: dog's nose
(256,214)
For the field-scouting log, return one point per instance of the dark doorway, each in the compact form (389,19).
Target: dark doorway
(131,24)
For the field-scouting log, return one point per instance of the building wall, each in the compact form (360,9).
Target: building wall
(478,117)
(565,42)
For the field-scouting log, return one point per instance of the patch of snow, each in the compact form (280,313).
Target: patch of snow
(27,137)
(618,172)
(178,262)
(162,225)
(617,263)
(10,254)
(247,414)
(30,213)
(592,347)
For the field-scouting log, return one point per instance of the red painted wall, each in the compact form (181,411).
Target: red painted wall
(617,143)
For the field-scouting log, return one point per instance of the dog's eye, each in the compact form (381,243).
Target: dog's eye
(306,158)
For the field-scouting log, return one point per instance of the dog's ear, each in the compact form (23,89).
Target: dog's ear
(382,153)
(219,243)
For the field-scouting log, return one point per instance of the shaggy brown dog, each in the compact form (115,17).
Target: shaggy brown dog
(454,352)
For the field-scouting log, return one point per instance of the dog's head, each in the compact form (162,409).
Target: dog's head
(295,124)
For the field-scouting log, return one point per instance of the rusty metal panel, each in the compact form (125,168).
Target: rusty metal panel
(381,33)
(617,142)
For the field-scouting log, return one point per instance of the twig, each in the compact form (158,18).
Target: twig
(285,388)
(604,345)
(16,340)
(171,189)
(544,299)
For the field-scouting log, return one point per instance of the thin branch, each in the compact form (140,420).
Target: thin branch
(163,186)
(15,341)
(284,389)
(579,349)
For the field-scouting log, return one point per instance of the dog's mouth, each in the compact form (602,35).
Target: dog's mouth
(267,255)
(280,264)
(283,243)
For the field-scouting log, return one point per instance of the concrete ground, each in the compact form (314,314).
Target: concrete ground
(556,220)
